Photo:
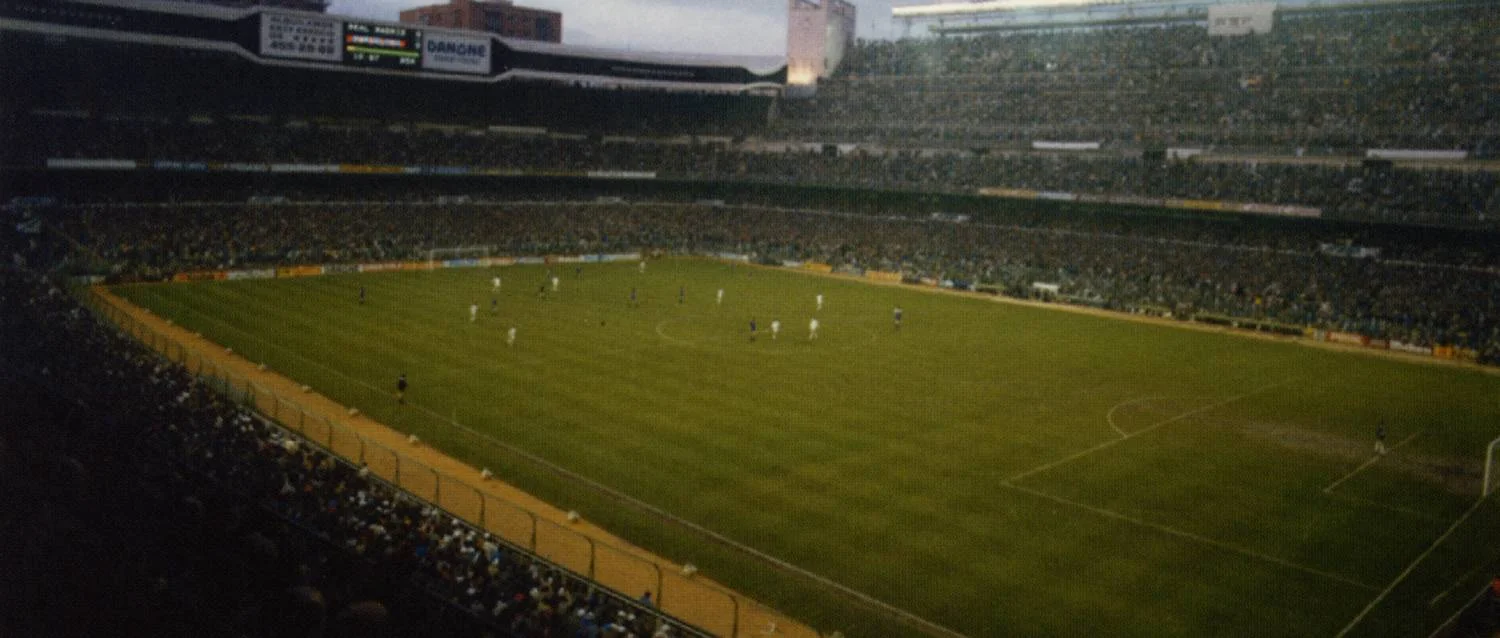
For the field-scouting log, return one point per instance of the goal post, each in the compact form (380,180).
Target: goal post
(1491,475)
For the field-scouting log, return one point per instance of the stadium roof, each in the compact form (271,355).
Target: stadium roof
(991,6)
(760,64)
(979,8)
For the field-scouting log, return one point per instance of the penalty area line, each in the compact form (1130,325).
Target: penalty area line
(1110,443)
(1393,508)
(1197,538)
(1409,568)
(1456,614)
(1456,582)
(1110,416)
(1368,463)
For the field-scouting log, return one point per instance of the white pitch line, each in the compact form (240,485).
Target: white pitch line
(1195,537)
(929,626)
(1368,463)
(1149,428)
(1456,614)
(1456,582)
(1407,572)
(1393,508)
(1110,417)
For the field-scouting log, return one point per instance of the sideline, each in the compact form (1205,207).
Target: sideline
(555,515)
(752,618)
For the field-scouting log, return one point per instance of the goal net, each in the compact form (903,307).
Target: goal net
(436,255)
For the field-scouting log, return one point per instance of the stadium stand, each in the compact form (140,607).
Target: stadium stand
(1450,197)
(336,549)
(140,497)
(1282,119)
(1406,76)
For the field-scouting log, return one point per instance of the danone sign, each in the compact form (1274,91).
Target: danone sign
(455,53)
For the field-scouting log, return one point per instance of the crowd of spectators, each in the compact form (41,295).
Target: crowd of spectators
(1402,77)
(1452,197)
(142,501)
(1404,288)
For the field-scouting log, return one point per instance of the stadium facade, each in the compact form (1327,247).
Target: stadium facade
(313,42)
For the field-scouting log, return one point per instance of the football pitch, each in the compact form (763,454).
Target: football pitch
(999,469)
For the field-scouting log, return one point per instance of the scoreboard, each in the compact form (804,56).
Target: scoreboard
(382,45)
(319,38)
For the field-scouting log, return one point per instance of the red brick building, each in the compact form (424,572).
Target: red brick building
(496,16)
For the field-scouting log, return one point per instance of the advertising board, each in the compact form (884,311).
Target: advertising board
(455,53)
(1241,19)
(300,36)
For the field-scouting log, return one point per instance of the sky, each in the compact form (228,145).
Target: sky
(719,27)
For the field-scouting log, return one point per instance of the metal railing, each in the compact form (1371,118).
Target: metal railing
(698,603)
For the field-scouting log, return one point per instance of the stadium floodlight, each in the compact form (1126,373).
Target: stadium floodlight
(990,6)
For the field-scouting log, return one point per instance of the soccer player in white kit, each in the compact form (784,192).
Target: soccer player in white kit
(555,281)
(473,312)
(812,329)
(643,266)
(820,301)
(775,328)
(495,284)
(510,336)
(719,299)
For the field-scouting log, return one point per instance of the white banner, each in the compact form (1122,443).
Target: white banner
(1240,19)
(1182,153)
(622,174)
(1410,347)
(304,168)
(459,54)
(1415,154)
(95,164)
(259,273)
(301,36)
(1043,145)
(382,267)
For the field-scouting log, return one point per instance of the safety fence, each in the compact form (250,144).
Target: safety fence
(703,605)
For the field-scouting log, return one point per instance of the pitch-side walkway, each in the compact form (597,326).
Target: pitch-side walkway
(754,620)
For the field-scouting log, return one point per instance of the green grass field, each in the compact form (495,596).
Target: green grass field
(998,469)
